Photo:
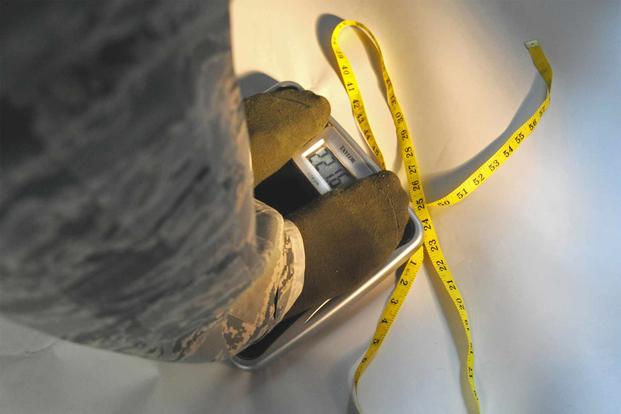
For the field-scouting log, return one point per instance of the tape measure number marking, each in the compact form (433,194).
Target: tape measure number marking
(431,244)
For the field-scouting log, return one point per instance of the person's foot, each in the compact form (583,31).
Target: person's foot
(348,234)
(279,123)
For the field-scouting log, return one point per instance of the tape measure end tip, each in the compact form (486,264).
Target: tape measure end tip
(531,43)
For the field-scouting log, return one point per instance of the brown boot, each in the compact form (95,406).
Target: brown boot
(280,123)
(348,234)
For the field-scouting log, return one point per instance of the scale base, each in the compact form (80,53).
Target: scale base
(289,189)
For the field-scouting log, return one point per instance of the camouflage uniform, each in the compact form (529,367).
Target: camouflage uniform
(126,213)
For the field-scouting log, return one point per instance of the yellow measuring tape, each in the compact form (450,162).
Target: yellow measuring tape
(417,196)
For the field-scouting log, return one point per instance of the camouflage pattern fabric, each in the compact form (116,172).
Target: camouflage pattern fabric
(126,213)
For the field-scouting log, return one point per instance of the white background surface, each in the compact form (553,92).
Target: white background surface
(536,251)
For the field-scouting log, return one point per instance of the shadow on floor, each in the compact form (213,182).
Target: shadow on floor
(440,184)
(252,83)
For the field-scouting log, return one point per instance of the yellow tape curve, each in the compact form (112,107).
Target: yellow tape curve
(431,243)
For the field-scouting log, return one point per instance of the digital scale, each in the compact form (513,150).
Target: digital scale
(332,160)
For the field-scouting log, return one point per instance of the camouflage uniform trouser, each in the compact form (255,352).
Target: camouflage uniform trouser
(255,312)
(127,220)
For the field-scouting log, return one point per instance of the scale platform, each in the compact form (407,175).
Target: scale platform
(306,176)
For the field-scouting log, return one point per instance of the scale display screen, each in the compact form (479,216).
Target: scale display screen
(330,168)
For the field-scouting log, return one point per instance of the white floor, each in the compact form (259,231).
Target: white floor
(536,251)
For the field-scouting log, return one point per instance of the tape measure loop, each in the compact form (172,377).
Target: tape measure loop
(431,245)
